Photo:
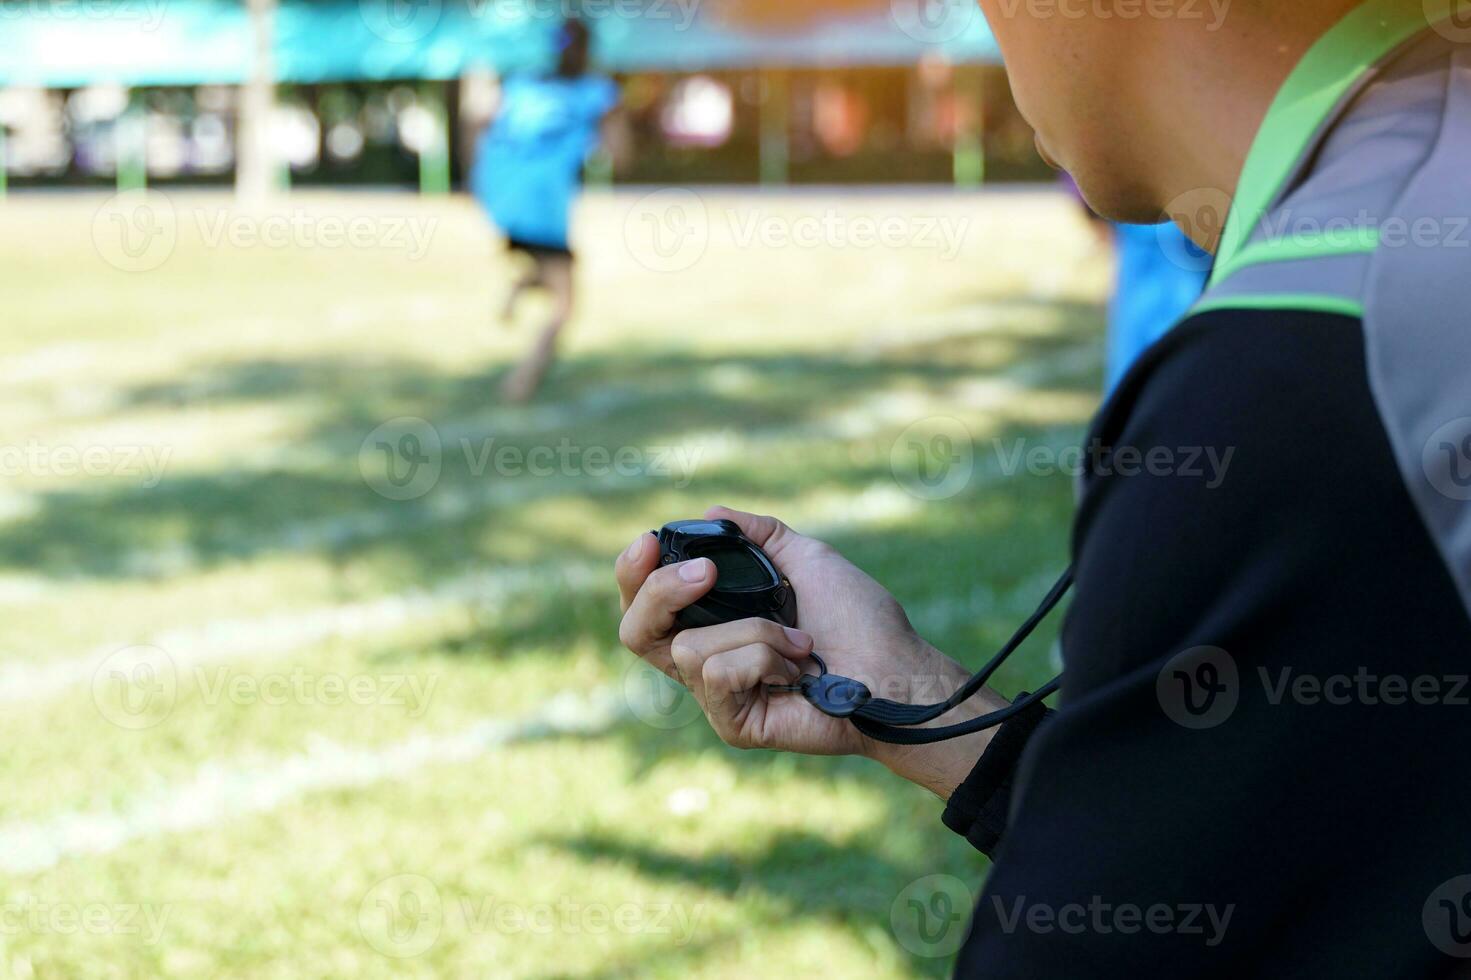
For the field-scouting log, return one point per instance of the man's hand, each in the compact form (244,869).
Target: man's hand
(847,617)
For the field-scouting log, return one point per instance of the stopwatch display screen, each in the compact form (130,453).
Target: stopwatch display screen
(737,568)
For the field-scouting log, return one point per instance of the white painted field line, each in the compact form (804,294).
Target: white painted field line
(223,791)
(280,633)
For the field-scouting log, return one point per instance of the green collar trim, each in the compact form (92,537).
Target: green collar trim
(1293,248)
(1306,302)
(1330,70)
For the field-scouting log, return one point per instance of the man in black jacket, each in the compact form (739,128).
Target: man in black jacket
(1254,771)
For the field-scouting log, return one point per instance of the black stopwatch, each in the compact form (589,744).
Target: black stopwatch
(748,585)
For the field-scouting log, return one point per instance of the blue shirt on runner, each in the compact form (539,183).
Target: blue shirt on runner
(529,160)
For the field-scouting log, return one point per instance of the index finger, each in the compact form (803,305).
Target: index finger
(634,566)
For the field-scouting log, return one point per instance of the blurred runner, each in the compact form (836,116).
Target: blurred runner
(528,166)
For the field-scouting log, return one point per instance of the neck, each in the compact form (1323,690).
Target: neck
(1209,108)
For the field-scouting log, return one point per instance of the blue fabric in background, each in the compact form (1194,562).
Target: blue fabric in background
(1161,275)
(528,162)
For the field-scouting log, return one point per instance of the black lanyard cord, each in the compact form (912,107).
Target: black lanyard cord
(893,721)
(927,736)
(895,713)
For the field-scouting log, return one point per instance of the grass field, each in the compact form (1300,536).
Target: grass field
(263,719)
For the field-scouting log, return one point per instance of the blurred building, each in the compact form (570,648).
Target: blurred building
(384,91)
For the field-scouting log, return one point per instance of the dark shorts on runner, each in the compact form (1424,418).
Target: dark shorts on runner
(537,251)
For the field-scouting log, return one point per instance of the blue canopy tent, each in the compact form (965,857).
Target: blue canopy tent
(194,42)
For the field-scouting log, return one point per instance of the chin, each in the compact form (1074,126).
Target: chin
(1120,199)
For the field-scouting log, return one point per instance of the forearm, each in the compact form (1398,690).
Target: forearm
(941,767)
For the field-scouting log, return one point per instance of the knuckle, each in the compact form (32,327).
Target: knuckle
(755,632)
(771,635)
(721,676)
(663,580)
(683,651)
(685,643)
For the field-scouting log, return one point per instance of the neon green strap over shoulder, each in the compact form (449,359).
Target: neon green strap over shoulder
(1327,74)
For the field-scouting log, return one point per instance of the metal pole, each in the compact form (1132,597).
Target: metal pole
(775,120)
(970,131)
(131,136)
(4,178)
(255,167)
(434,177)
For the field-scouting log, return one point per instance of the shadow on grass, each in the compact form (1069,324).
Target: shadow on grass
(317,499)
(852,886)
